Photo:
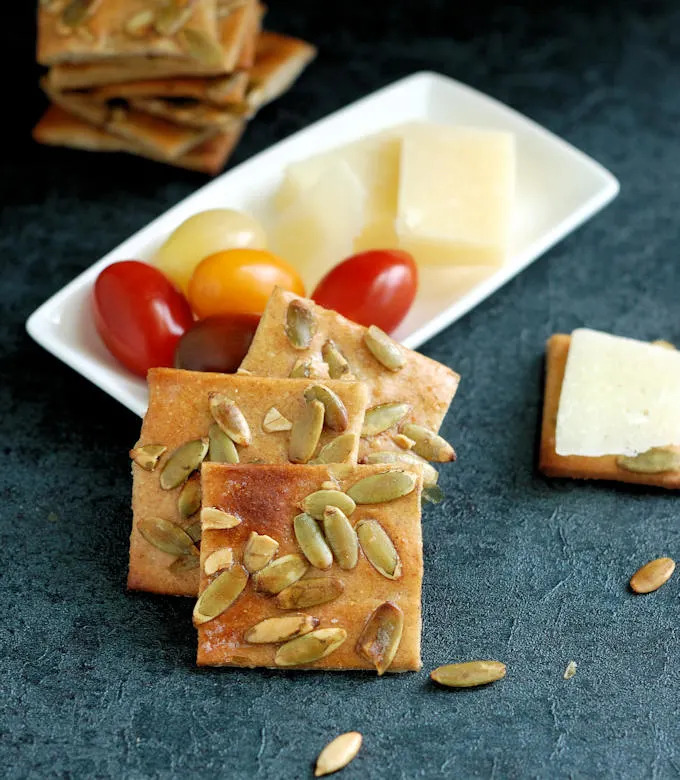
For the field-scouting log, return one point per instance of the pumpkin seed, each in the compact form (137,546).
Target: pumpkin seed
(184,565)
(200,46)
(220,594)
(305,433)
(215,519)
(380,638)
(328,485)
(655,461)
(218,560)
(338,753)
(652,575)
(300,324)
(189,501)
(379,549)
(166,536)
(274,421)
(428,444)
(664,344)
(337,450)
(230,418)
(311,647)
(279,574)
(336,417)
(380,488)
(243,371)
(195,531)
(77,11)
(222,448)
(139,24)
(311,542)
(337,363)
(403,441)
(570,671)
(280,629)
(309,368)
(341,537)
(310,592)
(384,349)
(259,551)
(172,16)
(185,459)
(468,674)
(380,418)
(430,473)
(147,457)
(315,503)
(432,494)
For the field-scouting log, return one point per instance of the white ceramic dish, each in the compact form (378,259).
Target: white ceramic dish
(559,188)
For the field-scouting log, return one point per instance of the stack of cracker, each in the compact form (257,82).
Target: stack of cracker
(171,80)
(287,496)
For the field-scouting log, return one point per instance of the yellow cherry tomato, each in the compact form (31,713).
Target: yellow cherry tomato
(204,234)
(239,281)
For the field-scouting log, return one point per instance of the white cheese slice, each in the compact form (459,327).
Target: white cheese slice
(317,230)
(619,396)
(375,163)
(456,192)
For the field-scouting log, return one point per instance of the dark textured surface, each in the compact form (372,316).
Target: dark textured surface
(98,684)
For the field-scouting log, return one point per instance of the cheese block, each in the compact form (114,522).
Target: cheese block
(619,396)
(317,229)
(456,190)
(375,163)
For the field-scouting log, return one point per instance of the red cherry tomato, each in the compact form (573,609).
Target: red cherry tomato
(216,343)
(139,315)
(372,288)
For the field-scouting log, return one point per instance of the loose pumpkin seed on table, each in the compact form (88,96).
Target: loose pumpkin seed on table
(338,753)
(652,575)
(468,674)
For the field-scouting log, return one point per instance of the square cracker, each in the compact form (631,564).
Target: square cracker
(157,135)
(279,60)
(267,499)
(234,29)
(179,412)
(425,385)
(101,30)
(579,466)
(219,91)
(59,128)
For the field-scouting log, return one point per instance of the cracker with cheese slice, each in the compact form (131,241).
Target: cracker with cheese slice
(611,410)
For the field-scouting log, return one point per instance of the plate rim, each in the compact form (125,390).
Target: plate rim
(41,330)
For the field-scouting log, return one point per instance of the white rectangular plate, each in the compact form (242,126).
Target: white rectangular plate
(558,188)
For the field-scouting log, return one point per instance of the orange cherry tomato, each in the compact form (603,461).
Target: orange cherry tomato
(239,281)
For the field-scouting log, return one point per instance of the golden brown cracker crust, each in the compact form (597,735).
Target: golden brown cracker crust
(179,412)
(104,32)
(427,386)
(220,91)
(233,36)
(279,60)
(578,466)
(59,128)
(267,498)
(197,115)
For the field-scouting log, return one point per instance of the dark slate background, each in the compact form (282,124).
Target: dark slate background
(97,683)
